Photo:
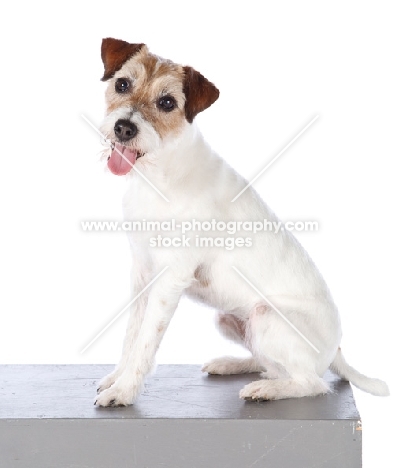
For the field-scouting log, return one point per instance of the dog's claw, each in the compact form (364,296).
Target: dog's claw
(113,404)
(254,400)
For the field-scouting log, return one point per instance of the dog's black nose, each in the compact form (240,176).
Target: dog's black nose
(125,130)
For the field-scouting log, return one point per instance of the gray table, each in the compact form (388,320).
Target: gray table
(183,419)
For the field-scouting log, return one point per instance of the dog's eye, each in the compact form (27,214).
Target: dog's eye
(166,103)
(122,85)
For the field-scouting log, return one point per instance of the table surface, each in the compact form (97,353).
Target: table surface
(173,391)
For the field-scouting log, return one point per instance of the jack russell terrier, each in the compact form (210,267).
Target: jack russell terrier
(269,295)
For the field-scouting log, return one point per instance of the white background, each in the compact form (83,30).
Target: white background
(277,65)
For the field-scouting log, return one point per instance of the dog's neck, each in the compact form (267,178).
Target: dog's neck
(184,168)
(180,156)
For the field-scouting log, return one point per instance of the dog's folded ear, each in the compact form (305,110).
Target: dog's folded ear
(199,92)
(115,53)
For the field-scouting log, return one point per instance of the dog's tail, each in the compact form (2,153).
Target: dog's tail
(342,368)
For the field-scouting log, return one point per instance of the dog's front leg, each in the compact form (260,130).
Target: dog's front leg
(139,279)
(162,302)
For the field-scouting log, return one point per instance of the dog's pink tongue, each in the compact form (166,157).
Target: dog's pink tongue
(121,165)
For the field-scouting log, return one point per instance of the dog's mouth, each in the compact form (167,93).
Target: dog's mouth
(122,158)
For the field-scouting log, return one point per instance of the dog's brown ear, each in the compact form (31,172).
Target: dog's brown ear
(199,92)
(114,54)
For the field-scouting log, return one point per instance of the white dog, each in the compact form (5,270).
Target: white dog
(287,319)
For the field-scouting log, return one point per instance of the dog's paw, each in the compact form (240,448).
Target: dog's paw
(280,389)
(230,365)
(107,381)
(116,396)
(221,366)
(258,390)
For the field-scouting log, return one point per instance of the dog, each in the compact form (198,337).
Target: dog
(269,295)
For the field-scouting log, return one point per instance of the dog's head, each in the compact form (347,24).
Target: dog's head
(149,101)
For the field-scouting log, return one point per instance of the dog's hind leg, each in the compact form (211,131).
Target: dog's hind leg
(234,329)
(294,387)
(228,365)
(231,327)
(292,372)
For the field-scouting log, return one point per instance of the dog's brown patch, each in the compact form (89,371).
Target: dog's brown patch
(235,324)
(262,308)
(200,273)
(200,93)
(115,53)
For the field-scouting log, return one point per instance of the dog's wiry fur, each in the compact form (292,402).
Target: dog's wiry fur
(200,185)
